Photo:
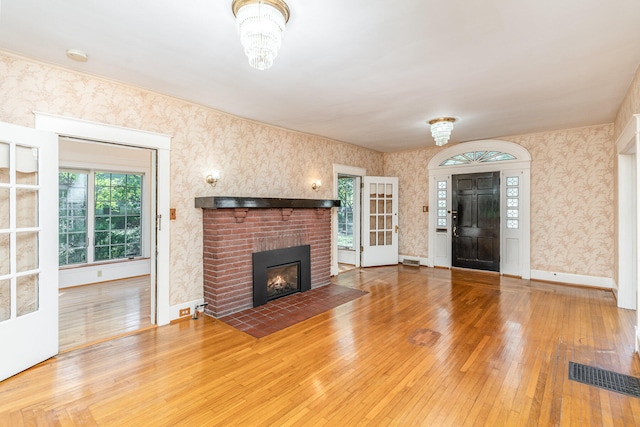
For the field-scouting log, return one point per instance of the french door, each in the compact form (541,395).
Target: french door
(28,248)
(380,221)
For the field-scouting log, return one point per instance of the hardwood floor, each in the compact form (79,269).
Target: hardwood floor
(342,268)
(424,347)
(93,313)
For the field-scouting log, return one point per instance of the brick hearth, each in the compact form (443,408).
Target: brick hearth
(231,235)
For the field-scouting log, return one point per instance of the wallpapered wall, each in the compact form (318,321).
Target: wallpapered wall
(572,199)
(254,159)
(572,170)
(630,105)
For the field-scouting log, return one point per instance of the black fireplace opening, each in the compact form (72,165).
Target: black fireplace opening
(280,272)
(283,280)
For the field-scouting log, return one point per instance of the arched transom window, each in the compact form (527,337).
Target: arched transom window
(477,157)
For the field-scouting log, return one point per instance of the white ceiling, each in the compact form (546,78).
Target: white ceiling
(367,72)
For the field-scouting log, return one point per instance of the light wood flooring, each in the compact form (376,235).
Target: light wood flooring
(424,347)
(93,313)
(342,267)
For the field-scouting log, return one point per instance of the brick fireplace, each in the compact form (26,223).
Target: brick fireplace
(235,228)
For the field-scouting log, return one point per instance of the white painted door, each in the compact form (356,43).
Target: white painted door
(379,221)
(28,248)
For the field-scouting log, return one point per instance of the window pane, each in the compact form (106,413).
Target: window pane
(26,165)
(4,163)
(512,181)
(72,209)
(118,209)
(102,238)
(26,208)
(101,253)
(103,223)
(4,208)
(26,294)
(26,251)
(5,260)
(5,300)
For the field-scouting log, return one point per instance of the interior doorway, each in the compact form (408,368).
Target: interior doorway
(347,221)
(346,224)
(106,206)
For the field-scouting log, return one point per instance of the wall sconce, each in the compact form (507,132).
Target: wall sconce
(316,185)
(212,178)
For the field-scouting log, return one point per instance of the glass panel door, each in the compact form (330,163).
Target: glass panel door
(28,267)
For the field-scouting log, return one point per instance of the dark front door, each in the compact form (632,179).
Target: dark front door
(476,221)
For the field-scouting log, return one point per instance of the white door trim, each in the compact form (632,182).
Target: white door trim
(352,171)
(520,165)
(101,132)
(628,147)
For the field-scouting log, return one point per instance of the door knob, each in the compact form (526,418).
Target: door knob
(455,231)
(396,229)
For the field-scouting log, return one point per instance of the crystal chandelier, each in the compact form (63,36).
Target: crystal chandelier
(441,129)
(261,24)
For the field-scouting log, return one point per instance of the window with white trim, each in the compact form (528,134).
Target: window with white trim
(477,157)
(104,205)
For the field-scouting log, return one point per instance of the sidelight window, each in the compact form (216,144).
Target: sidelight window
(442,204)
(513,202)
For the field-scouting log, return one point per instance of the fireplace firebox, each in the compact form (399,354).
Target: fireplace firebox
(280,272)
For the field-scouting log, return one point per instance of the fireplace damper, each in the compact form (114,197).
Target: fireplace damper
(280,272)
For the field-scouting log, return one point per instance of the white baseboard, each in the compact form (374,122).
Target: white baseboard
(573,279)
(97,273)
(174,310)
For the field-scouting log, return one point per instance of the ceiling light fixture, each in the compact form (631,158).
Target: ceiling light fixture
(441,129)
(261,24)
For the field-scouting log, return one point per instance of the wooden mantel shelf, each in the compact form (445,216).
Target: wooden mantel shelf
(262,203)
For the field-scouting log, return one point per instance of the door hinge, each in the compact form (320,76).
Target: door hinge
(361,248)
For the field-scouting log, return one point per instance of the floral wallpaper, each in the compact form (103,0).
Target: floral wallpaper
(572,199)
(630,105)
(254,159)
(571,187)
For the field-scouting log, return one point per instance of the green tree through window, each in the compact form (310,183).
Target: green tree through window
(72,216)
(118,204)
(345,212)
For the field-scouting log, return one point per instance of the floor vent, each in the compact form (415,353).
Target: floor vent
(607,380)
(411,262)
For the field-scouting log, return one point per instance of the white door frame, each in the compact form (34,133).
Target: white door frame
(100,132)
(516,260)
(628,147)
(356,172)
